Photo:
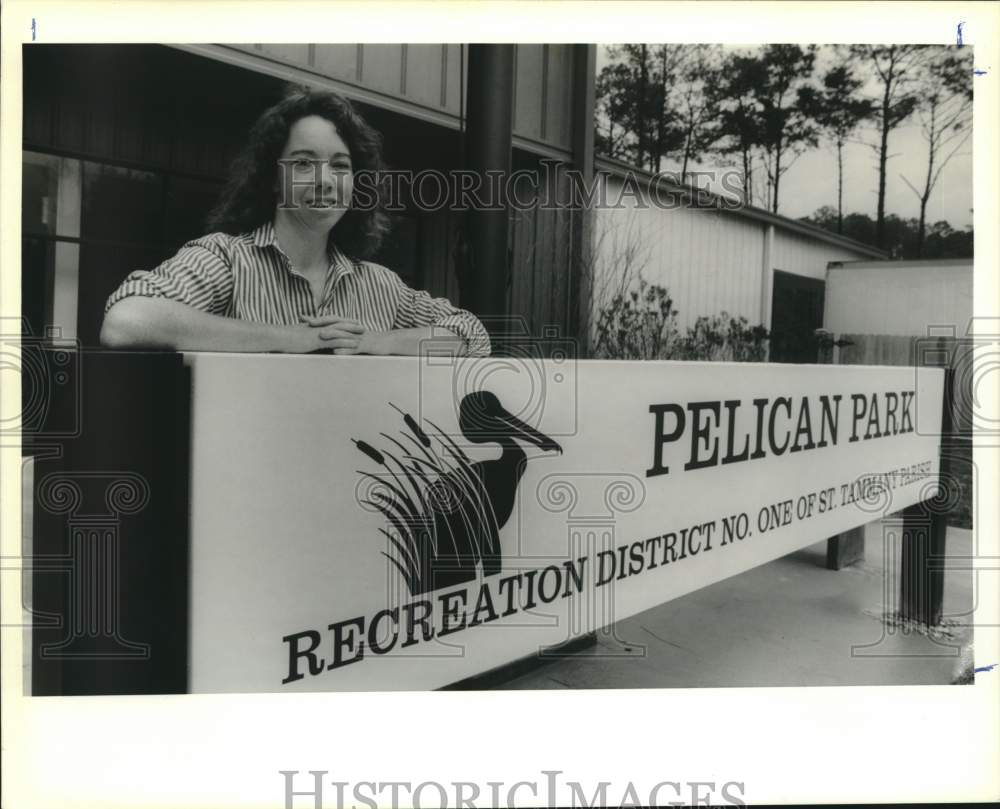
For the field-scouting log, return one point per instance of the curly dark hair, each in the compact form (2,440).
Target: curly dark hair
(249,197)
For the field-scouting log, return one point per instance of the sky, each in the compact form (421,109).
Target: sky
(811,181)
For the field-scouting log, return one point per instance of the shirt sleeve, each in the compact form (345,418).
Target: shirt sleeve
(417,308)
(200,275)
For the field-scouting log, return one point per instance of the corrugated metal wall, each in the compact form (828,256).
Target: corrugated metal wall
(711,261)
(801,255)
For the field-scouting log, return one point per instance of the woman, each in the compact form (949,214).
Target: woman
(284,269)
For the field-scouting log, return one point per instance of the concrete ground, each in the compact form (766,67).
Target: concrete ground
(790,622)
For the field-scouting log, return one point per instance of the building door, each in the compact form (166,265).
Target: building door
(796,313)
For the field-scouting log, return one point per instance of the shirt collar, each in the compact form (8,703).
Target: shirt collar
(264,236)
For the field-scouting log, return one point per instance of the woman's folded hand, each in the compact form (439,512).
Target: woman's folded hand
(343,335)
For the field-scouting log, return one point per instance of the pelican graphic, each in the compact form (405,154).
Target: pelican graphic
(446,512)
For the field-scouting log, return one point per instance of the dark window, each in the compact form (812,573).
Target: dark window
(102,268)
(50,226)
(39,189)
(86,225)
(37,277)
(122,205)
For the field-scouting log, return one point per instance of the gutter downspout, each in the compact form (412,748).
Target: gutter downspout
(767,285)
(582,264)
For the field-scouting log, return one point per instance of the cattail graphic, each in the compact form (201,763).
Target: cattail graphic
(371,452)
(414,427)
(443,518)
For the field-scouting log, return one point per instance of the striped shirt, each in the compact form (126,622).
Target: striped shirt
(249,277)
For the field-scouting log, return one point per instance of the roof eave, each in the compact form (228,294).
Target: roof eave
(732,206)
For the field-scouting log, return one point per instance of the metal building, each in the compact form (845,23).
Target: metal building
(714,258)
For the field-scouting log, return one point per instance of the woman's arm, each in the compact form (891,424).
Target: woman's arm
(141,322)
(420,317)
(183,303)
(407,342)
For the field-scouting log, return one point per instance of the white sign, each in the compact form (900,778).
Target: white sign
(403,523)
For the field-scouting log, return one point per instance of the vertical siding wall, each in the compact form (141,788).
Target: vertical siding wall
(543,101)
(711,261)
(428,79)
(426,75)
(803,256)
(541,290)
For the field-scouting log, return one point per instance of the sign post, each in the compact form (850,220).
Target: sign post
(925,526)
(847,548)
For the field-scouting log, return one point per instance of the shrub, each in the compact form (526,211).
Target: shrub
(637,325)
(641,324)
(723,338)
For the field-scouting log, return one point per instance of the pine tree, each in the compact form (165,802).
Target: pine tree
(839,111)
(897,68)
(945,114)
